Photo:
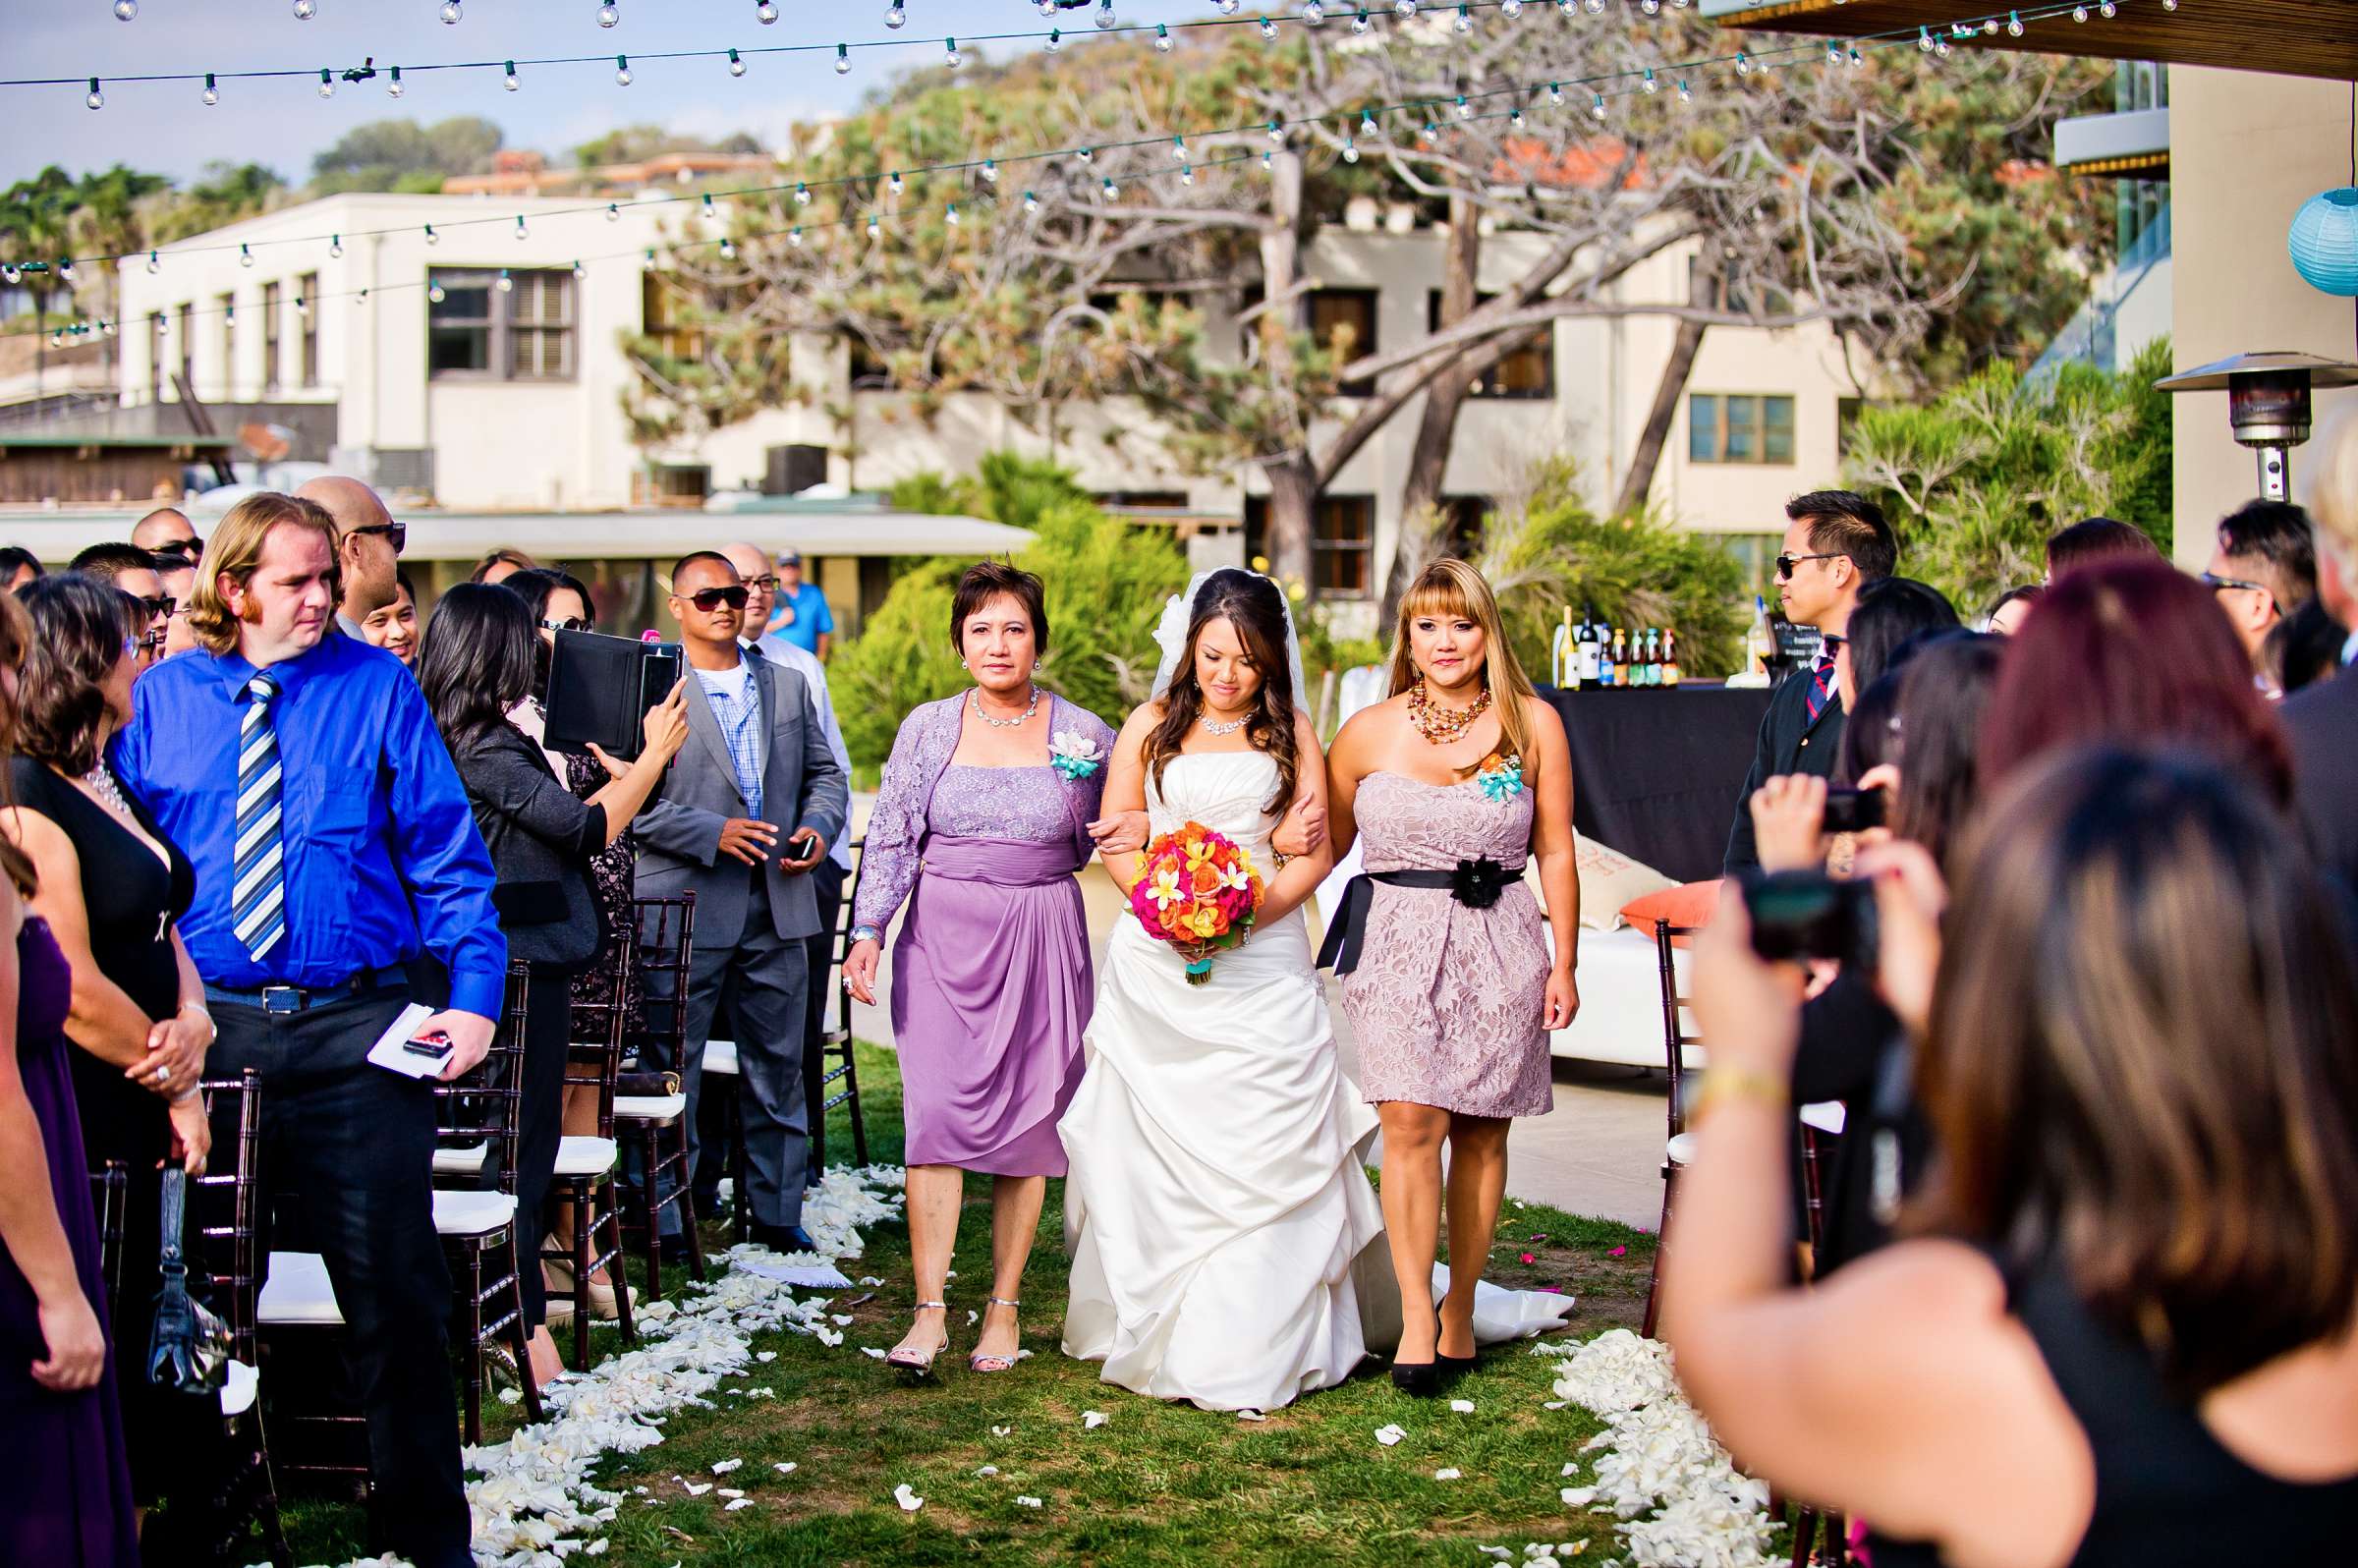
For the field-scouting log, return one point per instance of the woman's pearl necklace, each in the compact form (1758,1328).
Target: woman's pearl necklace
(999,723)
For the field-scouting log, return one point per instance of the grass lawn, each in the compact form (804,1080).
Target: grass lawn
(1159,1484)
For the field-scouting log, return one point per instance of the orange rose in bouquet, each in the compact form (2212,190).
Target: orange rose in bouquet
(1200,893)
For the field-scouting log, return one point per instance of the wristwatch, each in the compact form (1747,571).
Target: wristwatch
(866,933)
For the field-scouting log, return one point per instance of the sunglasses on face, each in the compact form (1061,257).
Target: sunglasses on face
(713,598)
(571,623)
(187,549)
(160,605)
(1786,563)
(2214,581)
(396,533)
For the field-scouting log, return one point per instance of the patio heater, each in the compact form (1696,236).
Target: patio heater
(2268,404)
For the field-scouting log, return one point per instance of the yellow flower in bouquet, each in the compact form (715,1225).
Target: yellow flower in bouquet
(1200,892)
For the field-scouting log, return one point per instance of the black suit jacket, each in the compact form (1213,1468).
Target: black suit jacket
(2323,721)
(1790,742)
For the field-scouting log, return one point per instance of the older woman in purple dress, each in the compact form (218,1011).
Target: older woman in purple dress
(997,789)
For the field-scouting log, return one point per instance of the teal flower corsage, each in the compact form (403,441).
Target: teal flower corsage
(1502,779)
(1074,755)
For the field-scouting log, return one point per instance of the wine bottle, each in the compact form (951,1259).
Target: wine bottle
(1564,659)
(1670,672)
(1591,672)
(1760,643)
(1622,673)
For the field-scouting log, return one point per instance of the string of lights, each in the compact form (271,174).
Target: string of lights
(1602,88)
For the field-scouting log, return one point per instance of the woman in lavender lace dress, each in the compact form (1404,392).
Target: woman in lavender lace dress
(995,788)
(1456,781)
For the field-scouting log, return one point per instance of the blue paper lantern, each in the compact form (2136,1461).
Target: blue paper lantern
(2324,241)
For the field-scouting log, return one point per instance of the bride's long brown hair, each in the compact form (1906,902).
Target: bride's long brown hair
(1253,604)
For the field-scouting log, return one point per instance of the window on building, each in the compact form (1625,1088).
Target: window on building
(663,310)
(155,358)
(1739,427)
(1846,419)
(270,323)
(1342,321)
(188,346)
(674,484)
(226,312)
(306,305)
(481,331)
(1527,371)
(869,370)
(1461,524)
(1342,543)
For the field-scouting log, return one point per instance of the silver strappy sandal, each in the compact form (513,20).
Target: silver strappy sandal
(919,1363)
(981,1362)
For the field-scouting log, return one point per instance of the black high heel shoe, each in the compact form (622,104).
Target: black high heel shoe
(1420,1379)
(1453,1367)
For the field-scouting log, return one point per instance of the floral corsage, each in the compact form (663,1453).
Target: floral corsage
(1500,778)
(1074,755)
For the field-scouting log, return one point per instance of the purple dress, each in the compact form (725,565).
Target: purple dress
(992,982)
(64,1488)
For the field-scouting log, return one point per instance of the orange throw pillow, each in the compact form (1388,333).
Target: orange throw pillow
(1688,903)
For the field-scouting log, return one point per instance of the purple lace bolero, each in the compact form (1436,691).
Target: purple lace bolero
(922,749)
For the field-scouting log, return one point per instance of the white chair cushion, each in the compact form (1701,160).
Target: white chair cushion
(721,1056)
(238,1390)
(650,1107)
(1680,1150)
(296,1290)
(463,1160)
(472,1213)
(1825,1115)
(586,1156)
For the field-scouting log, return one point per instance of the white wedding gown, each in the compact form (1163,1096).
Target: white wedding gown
(1227,1247)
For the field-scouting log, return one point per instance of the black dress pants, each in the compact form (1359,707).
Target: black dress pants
(347,1157)
(539,1121)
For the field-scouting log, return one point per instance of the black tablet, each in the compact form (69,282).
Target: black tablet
(599,688)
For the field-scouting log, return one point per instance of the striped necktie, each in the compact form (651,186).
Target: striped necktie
(258,893)
(1821,679)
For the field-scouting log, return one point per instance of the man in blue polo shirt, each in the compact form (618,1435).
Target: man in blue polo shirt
(301,773)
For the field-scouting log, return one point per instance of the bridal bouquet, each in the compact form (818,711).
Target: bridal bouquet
(1200,893)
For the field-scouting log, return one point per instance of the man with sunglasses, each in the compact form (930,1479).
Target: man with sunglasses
(2263,569)
(1837,543)
(167,531)
(368,545)
(750,807)
(133,571)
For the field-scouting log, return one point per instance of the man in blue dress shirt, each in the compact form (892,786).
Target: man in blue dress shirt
(301,773)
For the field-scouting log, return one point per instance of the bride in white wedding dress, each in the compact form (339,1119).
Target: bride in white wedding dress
(1226,1245)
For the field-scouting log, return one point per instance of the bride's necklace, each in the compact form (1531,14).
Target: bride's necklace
(102,784)
(1442,725)
(1214,727)
(974,701)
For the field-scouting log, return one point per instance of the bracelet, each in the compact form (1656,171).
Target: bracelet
(186,1094)
(199,1008)
(866,933)
(1722,1084)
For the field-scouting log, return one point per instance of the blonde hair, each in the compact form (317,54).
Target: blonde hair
(1451,588)
(15,640)
(234,550)
(2334,486)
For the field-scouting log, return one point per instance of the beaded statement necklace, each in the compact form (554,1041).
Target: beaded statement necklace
(1442,725)
(974,701)
(1229,728)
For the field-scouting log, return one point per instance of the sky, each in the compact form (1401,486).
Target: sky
(166,128)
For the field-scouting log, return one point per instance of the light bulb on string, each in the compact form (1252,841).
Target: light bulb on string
(451,12)
(431,237)
(1924,40)
(609,14)
(65,266)
(1359,21)
(736,64)
(2109,10)
(2169,5)
(94,98)
(1055,40)
(1511,9)
(303,306)
(1087,154)
(436,293)
(1597,108)
(950,56)
(1514,118)
(1555,96)
(1367,123)
(1350,148)
(1162,38)
(506,283)
(1187,174)
(1685,93)
(1228,7)
(766,13)
(1404,9)
(2014,23)
(1649,83)
(1595,7)
(10,272)
(728,248)
(1652,7)
(990,171)
(1465,110)
(1105,17)
(520,231)
(843,60)
(613,212)
(2079,13)
(1833,54)
(335,248)
(579,271)
(1313,12)
(1179,148)
(1743,64)
(1465,20)
(212,90)
(393,87)
(894,184)
(244,256)
(328,82)
(949,215)
(1567,7)
(802,194)
(153,265)
(794,237)
(508,80)
(1031,202)
(897,17)
(1111,191)
(1856,58)
(622,70)
(1429,134)
(361,298)
(1940,47)
(1046,10)
(1268,31)
(127,10)
(1276,133)
(874,226)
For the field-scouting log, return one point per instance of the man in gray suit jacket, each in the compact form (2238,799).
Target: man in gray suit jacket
(753,772)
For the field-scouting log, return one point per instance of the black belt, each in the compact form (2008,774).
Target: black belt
(1477,884)
(298,998)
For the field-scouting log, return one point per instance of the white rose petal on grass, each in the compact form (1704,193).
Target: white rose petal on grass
(1091,1420)
(1388,1436)
(1446,1475)
(973,1318)
(1251,1415)
(721,1467)
(872,1350)
(987,1470)
(1000,1431)
(906,1495)
(786,1469)
(841,1320)
(697,1488)
(730,1491)
(1463,1407)
(869,1279)
(736,1503)
(1027,1502)
(1572,1468)
(595,1549)
(766,1355)
(1578,1496)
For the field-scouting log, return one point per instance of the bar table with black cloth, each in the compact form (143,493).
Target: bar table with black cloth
(1656,770)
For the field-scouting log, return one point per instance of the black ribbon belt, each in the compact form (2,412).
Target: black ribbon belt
(1477,884)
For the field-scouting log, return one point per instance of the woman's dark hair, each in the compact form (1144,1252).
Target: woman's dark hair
(501,556)
(985,580)
(2139,1063)
(1255,606)
(2096,540)
(1871,734)
(1890,611)
(15,637)
(2138,653)
(1942,695)
(2029,591)
(2304,647)
(475,662)
(401,580)
(533,585)
(78,632)
(15,558)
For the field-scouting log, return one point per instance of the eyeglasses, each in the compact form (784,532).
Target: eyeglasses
(396,533)
(1786,563)
(2214,583)
(571,623)
(713,598)
(767,585)
(160,605)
